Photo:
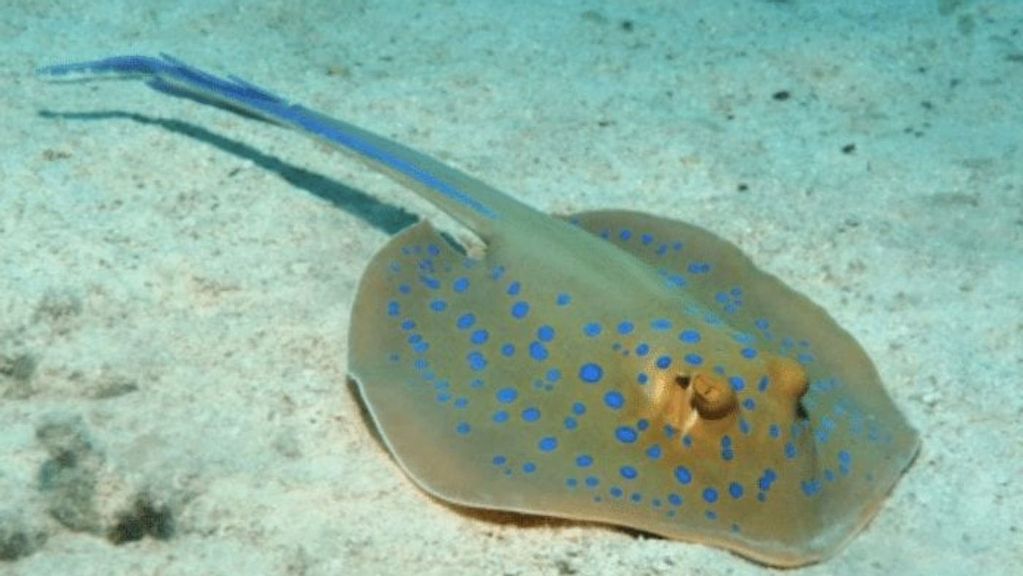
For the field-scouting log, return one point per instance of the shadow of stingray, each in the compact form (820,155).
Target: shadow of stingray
(384,217)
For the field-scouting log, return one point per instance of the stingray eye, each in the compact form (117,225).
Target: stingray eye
(712,397)
(789,381)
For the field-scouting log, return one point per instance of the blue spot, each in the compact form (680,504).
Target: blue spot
(762,386)
(476,360)
(646,239)
(499,460)
(744,427)
(761,324)
(461,285)
(438,305)
(520,309)
(811,487)
(687,441)
(479,337)
(689,336)
(508,350)
(674,499)
(643,424)
(591,372)
(738,384)
(626,328)
(548,444)
(563,299)
(592,481)
(626,434)
(653,452)
(676,280)
(699,268)
(660,325)
(749,404)
(408,325)
(617,492)
(636,497)
(571,423)
(628,472)
(642,350)
(614,400)
(465,321)
(553,375)
(735,490)
(461,402)
(625,234)
(694,359)
(500,417)
(774,430)
(592,329)
(790,450)
(710,495)
(537,351)
(404,288)
(578,408)
(571,482)
(844,458)
(545,333)
(683,475)
(642,378)
(531,414)
(429,281)
(507,395)
(663,362)
(462,428)
(749,353)
(393,308)
(476,384)
(514,288)
(529,467)
(765,481)
(584,461)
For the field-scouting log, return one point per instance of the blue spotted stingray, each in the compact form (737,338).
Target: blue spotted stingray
(611,366)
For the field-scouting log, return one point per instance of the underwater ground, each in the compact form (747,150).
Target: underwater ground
(176,281)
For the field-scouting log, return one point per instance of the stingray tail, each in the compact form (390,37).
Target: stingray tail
(468,200)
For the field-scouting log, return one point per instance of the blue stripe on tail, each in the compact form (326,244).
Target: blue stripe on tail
(174,77)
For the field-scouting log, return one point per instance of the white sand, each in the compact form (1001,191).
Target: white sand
(173,312)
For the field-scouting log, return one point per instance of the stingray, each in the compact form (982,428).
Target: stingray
(608,366)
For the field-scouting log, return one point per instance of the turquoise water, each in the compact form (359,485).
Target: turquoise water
(176,282)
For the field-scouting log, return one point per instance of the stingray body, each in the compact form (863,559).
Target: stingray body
(609,366)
